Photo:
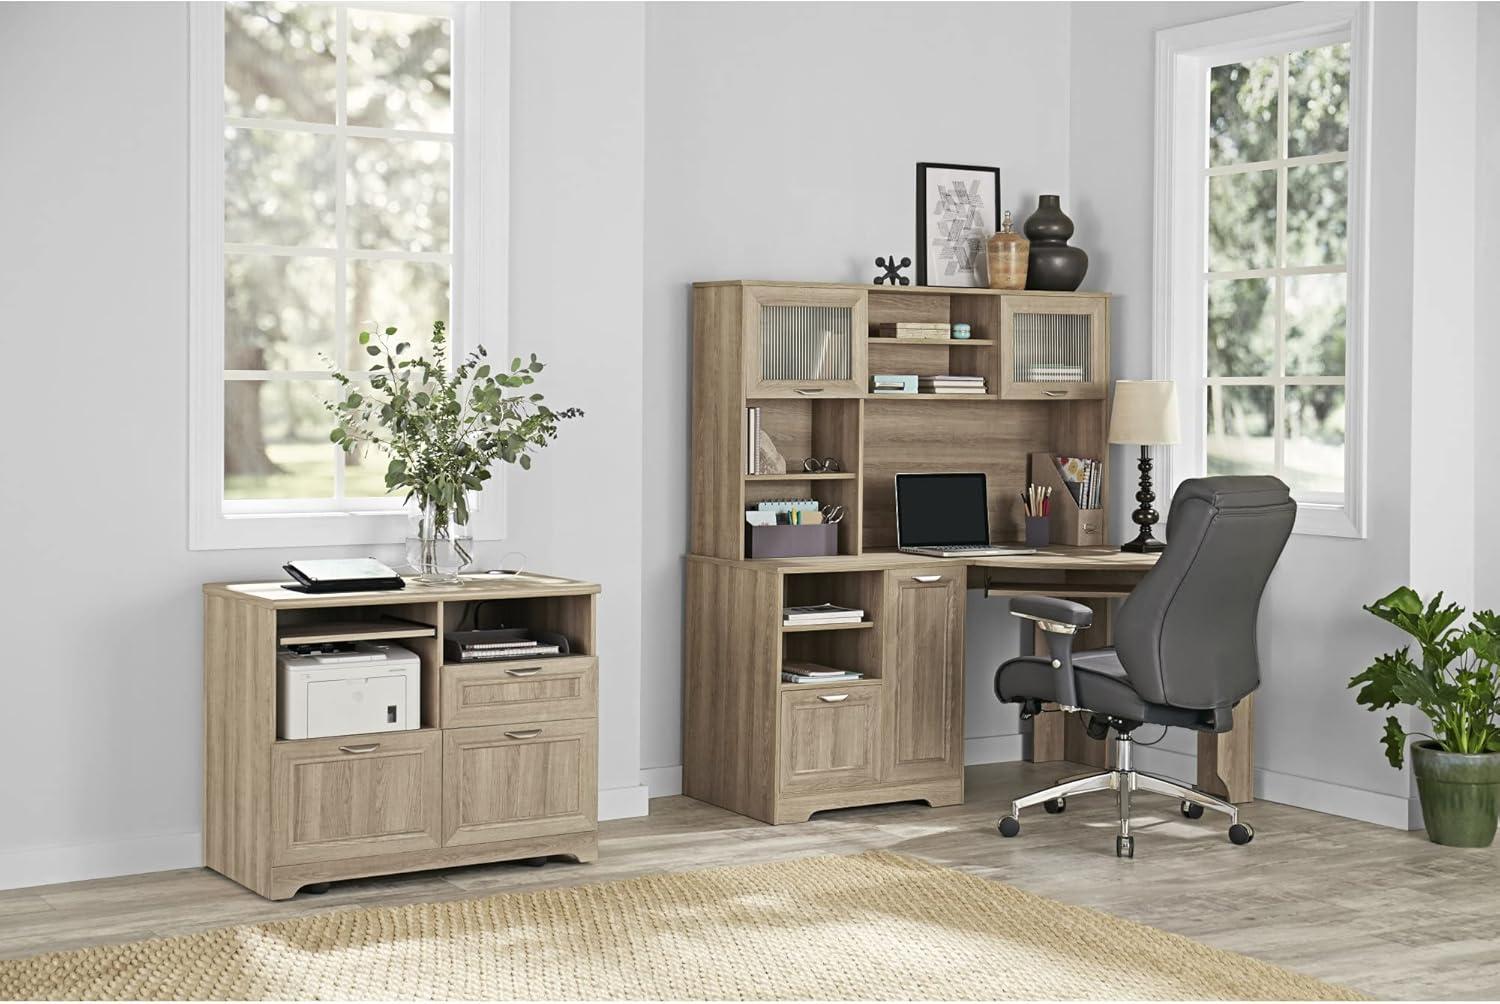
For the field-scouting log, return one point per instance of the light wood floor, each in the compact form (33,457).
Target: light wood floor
(1375,909)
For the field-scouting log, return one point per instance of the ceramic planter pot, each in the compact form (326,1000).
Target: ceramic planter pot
(1460,794)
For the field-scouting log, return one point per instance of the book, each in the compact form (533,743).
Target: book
(494,655)
(914,329)
(821,613)
(1084,480)
(801,678)
(816,672)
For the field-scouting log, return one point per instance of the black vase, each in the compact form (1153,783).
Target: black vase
(1053,265)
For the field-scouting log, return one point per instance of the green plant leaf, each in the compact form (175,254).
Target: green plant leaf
(1395,742)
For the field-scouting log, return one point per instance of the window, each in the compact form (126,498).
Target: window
(1262,219)
(330,141)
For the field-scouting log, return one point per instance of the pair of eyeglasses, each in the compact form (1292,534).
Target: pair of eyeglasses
(827,465)
(832,513)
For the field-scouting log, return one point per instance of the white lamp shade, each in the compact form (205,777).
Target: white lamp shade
(1144,413)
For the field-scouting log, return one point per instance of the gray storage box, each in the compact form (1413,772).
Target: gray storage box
(812,540)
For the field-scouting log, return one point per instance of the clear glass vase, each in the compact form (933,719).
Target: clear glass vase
(438,548)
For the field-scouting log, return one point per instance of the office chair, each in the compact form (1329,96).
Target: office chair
(1184,652)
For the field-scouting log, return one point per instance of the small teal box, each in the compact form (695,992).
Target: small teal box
(893,383)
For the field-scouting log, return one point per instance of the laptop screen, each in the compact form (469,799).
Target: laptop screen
(941,510)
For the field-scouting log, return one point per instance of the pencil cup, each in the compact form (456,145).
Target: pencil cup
(1038,531)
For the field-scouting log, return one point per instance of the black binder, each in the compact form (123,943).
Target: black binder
(334,576)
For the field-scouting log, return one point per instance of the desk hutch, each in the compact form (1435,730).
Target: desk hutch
(779,752)
(504,766)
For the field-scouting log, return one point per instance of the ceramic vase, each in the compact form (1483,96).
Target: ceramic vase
(1007,254)
(1053,265)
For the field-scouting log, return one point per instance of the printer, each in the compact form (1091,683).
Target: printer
(346,688)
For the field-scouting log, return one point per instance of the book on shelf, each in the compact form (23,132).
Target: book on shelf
(496,654)
(822,613)
(752,440)
(816,672)
(914,329)
(893,383)
(1083,478)
(1055,374)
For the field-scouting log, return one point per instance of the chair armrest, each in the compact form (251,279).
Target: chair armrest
(1053,609)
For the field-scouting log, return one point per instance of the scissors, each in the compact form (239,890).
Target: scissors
(832,513)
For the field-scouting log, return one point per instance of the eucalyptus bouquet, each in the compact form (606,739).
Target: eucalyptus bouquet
(442,430)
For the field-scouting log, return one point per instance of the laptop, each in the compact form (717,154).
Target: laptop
(946,516)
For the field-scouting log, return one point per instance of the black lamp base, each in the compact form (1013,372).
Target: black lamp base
(1145,516)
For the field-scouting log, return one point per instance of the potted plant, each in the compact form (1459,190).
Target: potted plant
(1455,686)
(442,431)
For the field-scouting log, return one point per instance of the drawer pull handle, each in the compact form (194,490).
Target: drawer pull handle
(810,390)
(927,578)
(833,698)
(1055,393)
(523,734)
(528,671)
(365,748)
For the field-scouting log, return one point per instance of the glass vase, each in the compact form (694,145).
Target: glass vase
(438,548)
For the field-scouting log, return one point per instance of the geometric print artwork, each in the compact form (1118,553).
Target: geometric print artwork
(959,232)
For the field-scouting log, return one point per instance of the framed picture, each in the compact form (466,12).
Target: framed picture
(956,214)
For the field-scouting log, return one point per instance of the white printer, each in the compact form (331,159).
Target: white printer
(347,688)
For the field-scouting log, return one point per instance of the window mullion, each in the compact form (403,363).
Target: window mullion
(1278,398)
(341,218)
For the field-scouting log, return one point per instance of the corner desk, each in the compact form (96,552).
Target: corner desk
(795,360)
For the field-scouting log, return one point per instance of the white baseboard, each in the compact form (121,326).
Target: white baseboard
(624,803)
(663,781)
(1396,811)
(992,749)
(76,862)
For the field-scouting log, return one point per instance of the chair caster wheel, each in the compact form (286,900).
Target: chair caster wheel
(1009,826)
(1055,805)
(1124,847)
(1241,833)
(1192,810)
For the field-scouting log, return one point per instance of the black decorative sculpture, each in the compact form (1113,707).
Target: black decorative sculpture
(892,271)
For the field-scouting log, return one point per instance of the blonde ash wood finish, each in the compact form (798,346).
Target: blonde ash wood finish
(756,298)
(278,815)
(355,631)
(924,663)
(718,424)
(830,737)
(1093,306)
(352,795)
(530,779)
(501,692)
(1226,761)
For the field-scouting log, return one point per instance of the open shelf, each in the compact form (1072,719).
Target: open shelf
(919,396)
(333,631)
(879,340)
(802,476)
(801,628)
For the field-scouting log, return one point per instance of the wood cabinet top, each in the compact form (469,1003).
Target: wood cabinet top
(1055,558)
(928,290)
(473,587)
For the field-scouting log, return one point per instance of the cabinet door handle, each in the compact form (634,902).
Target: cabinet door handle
(1055,393)
(833,698)
(523,734)
(810,390)
(527,671)
(927,578)
(364,748)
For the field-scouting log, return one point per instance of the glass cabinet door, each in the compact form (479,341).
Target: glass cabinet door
(1054,347)
(805,342)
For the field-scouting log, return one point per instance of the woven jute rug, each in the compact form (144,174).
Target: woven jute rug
(872,926)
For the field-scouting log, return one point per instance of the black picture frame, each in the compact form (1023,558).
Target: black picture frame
(968,264)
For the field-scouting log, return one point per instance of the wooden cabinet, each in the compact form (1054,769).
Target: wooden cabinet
(804,342)
(830,737)
(924,666)
(337,798)
(493,693)
(526,780)
(1054,347)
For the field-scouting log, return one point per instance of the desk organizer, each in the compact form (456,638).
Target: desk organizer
(1070,524)
(811,540)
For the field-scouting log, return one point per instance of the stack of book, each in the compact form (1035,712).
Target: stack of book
(752,440)
(490,651)
(821,613)
(1084,478)
(893,383)
(951,384)
(1054,373)
(815,672)
(915,329)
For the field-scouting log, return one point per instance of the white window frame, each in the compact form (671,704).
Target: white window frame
(481,146)
(1179,350)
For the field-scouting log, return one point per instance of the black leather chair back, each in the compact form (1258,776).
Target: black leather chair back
(1186,635)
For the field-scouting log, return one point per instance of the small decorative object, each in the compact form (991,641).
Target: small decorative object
(442,431)
(1038,531)
(962,331)
(1052,263)
(892,272)
(1144,413)
(956,206)
(1456,687)
(1007,253)
(771,460)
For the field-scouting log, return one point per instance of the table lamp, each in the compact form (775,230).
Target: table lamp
(1144,413)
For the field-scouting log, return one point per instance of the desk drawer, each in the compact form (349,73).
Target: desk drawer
(830,736)
(507,782)
(356,795)
(501,693)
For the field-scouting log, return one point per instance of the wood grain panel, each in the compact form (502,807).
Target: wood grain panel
(1226,760)
(498,693)
(924,669)
(830,737)
(893,307)
(530,779)
(718,422)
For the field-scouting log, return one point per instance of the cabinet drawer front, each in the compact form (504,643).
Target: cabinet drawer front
(805,342)
(523,780)
(499,693)
(356,795)
(924,663)
(830,737)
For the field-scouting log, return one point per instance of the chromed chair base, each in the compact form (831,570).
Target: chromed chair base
(1123,780)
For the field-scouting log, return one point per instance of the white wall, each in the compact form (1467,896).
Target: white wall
(1487,304)
(781,142)
(102,683)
